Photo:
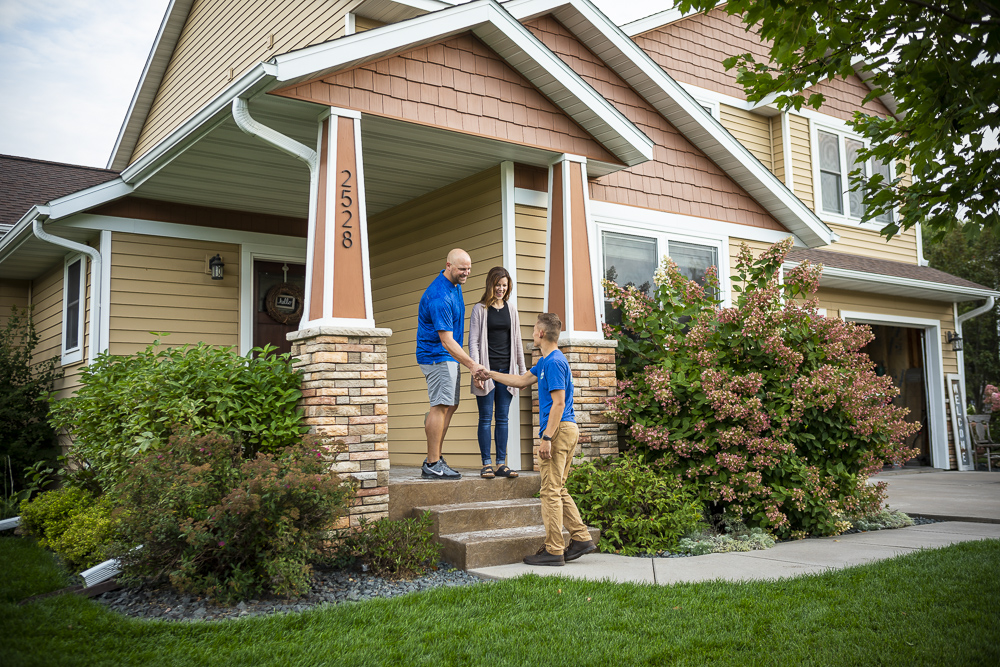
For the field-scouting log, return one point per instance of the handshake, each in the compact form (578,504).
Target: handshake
(480,373)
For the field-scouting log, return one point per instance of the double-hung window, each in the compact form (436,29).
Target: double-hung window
(837,157)
(74,304)
(631,256)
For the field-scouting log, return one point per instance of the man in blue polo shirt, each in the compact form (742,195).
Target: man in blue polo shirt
(558,436)
(440,332)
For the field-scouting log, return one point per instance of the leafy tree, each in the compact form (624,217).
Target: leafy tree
(974,254)
(940,60)
(25,435)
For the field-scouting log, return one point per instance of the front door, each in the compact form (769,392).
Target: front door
(278,289)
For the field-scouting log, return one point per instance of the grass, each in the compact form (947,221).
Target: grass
(935,607)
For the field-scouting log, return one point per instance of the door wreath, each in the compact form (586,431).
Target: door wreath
(284,303)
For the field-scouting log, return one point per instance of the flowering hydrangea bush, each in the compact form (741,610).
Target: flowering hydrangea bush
(991,398)
(770,410)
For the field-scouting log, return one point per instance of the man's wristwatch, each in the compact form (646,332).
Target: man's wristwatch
(546,438)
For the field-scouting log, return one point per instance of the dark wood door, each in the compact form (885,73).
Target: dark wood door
(268,275)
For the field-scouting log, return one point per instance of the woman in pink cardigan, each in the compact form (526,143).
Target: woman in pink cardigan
(495,342)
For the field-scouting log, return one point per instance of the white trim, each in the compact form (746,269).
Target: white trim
(508,225)
(330,231)
(658,20)
(72,355)
(84,199)
(105,300)
(349,24)
(546,306)
(934,374)
(865,278)
(567,229)
(920,246)
(248,254)
(366,272)
(786,151)
(179,231)
(311,229)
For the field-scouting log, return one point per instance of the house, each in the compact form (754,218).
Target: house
(328,154)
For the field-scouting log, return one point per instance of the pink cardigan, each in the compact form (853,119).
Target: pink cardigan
(479,348)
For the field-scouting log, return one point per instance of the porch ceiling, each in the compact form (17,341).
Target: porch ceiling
(227,168)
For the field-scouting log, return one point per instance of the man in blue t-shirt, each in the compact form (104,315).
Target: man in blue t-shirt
(440,331)
(557,444)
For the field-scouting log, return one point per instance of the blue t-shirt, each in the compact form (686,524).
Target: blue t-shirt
(442,308)
(553,374)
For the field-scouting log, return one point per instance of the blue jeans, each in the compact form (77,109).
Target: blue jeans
(499,398)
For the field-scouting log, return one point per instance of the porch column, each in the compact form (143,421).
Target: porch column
(571,293)
(338,349)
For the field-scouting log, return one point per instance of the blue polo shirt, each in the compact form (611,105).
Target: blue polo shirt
(442,308)
(553,374)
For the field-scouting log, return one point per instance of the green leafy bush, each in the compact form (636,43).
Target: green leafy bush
(752,539)
(882,520)
(25,434)
(639,507)
(213,523)
(391,548)
(71,522)
(771,411)
(129,406)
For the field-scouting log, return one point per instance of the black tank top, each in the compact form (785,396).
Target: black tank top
(498,337)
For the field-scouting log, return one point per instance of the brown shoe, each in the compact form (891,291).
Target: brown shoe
(577,549)
(543,557)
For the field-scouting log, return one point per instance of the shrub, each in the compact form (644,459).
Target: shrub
(991,399)
(129,406)
(25,435)
(639,507)
(72,523)
(391,548)
(882,520)
(215,524)
(754,539)
(769,409)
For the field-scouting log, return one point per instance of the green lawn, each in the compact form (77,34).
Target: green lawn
(937,607)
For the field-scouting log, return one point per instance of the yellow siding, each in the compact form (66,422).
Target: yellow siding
(868,243)
(756,247)
(12,293)
(159,284)
(752,130)
(408,248)
(362,23)
(798,128)
(224,35)
(777,148)
(47,296)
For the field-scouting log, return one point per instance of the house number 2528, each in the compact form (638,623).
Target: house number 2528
(346,201)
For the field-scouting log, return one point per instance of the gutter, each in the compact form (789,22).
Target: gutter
(96,271)
(241,114)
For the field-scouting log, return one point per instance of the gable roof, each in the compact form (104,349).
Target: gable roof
(26,182)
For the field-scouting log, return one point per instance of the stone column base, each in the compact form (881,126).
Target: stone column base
(592,363)
(345,396)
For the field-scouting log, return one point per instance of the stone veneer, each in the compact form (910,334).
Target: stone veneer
(345,396)
(592,363)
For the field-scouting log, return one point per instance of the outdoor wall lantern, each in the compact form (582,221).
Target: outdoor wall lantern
(955,340)
(216,264)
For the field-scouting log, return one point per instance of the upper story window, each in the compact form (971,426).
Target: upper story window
(837,157)
(74,301)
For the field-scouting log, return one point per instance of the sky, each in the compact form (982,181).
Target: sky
(70,68)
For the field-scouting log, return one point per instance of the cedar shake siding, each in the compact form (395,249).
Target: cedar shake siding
(221,41)
(459,84)
(679,178)
(692,50)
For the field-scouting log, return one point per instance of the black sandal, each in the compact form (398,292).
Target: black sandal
(487,472)
(504,471)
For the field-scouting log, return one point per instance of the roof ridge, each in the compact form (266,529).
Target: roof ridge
(59,164)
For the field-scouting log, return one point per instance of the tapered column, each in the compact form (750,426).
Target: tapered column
(569,278)
(338,275)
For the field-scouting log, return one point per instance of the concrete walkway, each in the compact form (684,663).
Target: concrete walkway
(971,497)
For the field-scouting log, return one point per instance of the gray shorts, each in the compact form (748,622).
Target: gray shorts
(443,381)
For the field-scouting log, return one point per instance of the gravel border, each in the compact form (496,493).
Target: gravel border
(329,587)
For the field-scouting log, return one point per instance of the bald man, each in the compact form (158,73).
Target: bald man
(440,332)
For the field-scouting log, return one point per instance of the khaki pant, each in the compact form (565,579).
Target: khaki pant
(558,508)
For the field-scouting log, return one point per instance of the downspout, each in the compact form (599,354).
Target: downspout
(959,321)
(96,271)
(241,114)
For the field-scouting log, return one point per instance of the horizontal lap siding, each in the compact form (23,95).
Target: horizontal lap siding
(409,245)
(362,23)
(12,293)
(798,129)
(47,296)
(868,243)
(224,34)
(778,148)
(529,233)
(751,130)
(159,284)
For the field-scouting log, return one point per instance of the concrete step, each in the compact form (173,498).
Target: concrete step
(487,515)
(486,548)
(407,489)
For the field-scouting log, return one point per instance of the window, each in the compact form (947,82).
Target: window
(74,295)
(632,259)
(837,156)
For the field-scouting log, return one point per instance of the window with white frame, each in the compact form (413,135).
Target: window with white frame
(74,300)
(837,157)
(631,256)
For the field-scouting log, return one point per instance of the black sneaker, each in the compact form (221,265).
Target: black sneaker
(577,549)
(438,470)
(543,557)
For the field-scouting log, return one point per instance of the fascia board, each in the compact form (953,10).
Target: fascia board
(927,289)
(89,198)
(502,32)
(149,82)
(378,9)
(21,231)
(669,98)
(208,117)
(658,20)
